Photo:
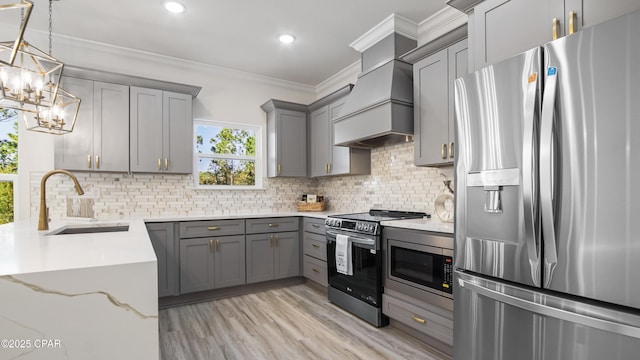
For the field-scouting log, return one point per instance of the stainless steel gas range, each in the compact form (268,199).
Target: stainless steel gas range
(357,239)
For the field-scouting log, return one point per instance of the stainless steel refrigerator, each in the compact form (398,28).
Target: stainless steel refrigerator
(547,250)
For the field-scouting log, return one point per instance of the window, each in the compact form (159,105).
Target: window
(8,164)
(227,155)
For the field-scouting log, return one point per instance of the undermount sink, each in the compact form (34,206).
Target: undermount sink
(90,229)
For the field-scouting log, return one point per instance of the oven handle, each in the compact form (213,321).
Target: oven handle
(354,239)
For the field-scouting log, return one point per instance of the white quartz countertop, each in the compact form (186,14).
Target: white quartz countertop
(23,249)
(240,215)
(421,224)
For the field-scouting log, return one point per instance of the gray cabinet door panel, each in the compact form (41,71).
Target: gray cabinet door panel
(503,28)
(458,58)
(266,225)
(319,140)
(165,245)
(196,265)
(287,255)
(146,129)
(177,132)
(340,155)
(315,245)
(111,127)
(259,258)
(209,228)
(593,12)
(229,261)
(431,123)
(74,151)
(291,143)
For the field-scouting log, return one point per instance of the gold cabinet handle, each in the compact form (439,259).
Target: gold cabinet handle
(279,168)
(315,226)
(316,246)
(97,161)
(274,225)
(443,151)
(326,168)
(166,164)
(554,28)
(159,164)
(450,150)
(418,320)
(213,228)
(218,245)
(270,240)
(572,22)
(329,168)
(316,270)
(211,245)
(88,161)
(277,240)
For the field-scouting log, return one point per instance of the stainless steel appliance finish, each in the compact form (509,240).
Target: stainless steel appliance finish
(360,293)
(546,199)
(420,265)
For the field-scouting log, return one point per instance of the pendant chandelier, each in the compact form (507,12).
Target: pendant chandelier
(30,83)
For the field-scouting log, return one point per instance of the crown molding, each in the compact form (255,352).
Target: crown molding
(393,23)
(439,24)
(348,75)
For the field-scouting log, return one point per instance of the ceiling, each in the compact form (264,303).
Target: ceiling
(237,34)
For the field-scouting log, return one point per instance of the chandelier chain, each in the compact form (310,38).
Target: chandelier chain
(50,24)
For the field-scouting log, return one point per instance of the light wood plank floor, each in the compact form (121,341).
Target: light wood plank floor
(295,322)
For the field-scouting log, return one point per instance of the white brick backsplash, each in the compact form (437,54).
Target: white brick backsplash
(395,183)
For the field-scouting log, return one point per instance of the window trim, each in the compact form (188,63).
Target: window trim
(259,164)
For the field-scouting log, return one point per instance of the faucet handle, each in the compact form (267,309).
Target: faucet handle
(47,215)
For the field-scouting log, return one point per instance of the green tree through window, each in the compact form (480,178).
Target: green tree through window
(226,155)
(8,161)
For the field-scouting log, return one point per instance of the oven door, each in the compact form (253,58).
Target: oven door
(425,267)
(366,282)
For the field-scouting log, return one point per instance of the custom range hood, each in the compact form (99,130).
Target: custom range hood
(379,110)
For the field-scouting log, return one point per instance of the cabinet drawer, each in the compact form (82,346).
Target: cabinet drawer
(315,245)
(315,270)
(267,225)
(418,318)
(193,229)
(314,225)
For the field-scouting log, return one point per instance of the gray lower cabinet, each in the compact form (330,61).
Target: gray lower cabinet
(286,138)
(211,263)
(273,248)
(433,92)
(165,244)
(212,254)
(161,131)
(500,29)
(100,138)
(325,158)
(314,244)
(273,256)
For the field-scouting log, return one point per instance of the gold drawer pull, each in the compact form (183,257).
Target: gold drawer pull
(271,240)
(89,161)
(159,164)
(554,28)
(315,246)
(97,162)
(418,320)
(277,240)
(166,164)
(451,151)
(211,245)
(316,271)
(218,245)
(315,225)
(443,151)
(572,22)
(274,225)
(213,228)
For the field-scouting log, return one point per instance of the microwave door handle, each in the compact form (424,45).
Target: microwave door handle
(529,176)
(547,157)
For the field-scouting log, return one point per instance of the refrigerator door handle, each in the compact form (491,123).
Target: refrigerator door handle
(550,311)
(529,176)
(547,162)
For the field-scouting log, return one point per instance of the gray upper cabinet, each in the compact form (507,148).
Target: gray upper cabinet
(286,138)
(165,244)
(100,140)
(325,158)
(500,29)
(161,130)
(433,79)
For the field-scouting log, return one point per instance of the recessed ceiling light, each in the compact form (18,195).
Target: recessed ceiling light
(287,38)
(174,7)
